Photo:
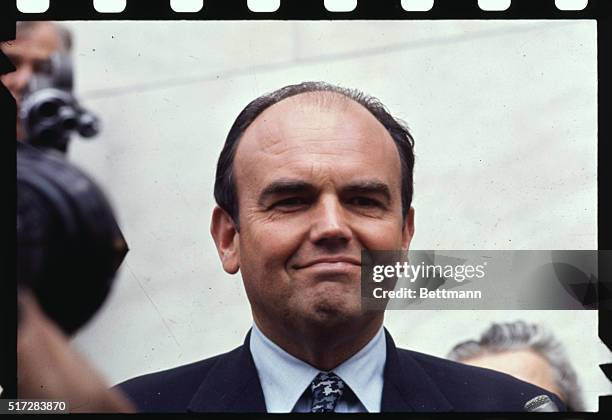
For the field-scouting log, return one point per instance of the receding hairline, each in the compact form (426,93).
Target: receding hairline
(225,186)
(324,99)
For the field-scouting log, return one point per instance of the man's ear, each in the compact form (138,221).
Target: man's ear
(408,231)
(225,235)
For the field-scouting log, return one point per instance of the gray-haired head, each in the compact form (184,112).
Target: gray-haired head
(22,28)
(225,188)
(519,335)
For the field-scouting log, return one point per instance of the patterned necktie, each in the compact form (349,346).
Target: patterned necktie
(326,390)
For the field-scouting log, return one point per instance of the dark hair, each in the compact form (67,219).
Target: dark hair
(225,189)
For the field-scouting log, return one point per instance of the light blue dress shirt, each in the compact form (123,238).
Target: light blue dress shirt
(284,378)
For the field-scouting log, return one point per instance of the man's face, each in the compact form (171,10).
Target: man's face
(29,52)
(318,179)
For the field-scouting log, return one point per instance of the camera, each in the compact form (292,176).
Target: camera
(49,113)
(69,244)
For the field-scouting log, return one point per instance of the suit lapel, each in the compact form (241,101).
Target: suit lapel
(407,387)
(231,384)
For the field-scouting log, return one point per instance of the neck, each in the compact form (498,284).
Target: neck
(323,348)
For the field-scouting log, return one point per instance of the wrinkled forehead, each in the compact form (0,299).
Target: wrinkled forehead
(319,118)
(315,129)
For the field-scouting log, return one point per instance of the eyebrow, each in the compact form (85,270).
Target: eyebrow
(285,186)
(369,187)
(293,186)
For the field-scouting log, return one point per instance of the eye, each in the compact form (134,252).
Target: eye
(290,202)
(43,67)
(365,202)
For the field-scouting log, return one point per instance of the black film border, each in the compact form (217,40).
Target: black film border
(60,10)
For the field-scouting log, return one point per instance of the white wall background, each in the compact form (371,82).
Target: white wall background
(504,117)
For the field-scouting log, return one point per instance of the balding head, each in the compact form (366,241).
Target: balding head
(321,94)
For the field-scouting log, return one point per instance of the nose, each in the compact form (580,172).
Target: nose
(330,227)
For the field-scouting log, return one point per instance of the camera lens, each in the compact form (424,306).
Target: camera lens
(47,135)
(48,109)
(68,118)
(88,125)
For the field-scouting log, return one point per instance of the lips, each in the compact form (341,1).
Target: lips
(331,261)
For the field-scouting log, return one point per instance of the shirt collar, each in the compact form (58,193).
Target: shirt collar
(284,377)
(363,372)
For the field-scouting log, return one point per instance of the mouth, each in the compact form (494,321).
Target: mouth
(331,263)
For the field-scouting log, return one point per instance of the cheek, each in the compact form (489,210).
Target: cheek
(382,235)
(268,246)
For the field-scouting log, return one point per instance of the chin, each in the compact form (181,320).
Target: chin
(335,312)
(328,305)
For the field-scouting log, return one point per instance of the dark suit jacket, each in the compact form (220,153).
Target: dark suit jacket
(412,382)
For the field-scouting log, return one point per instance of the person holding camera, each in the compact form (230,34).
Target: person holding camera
(47,111)
(69,245)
